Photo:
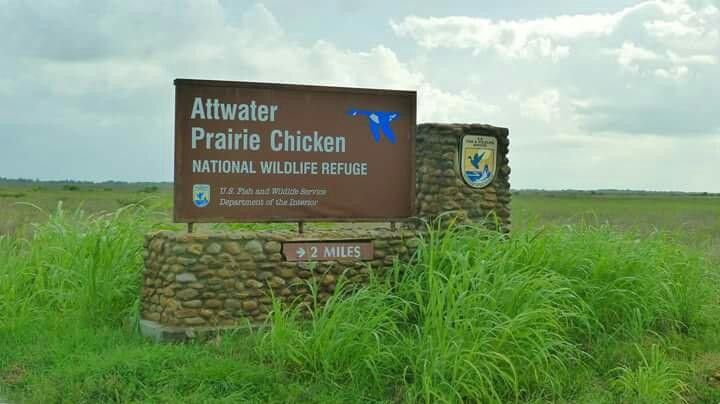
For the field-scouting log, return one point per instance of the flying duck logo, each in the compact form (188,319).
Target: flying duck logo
(478,160)
(201,195)
(378,121)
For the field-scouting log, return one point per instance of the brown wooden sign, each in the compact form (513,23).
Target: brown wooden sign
(271,152)
(327,250)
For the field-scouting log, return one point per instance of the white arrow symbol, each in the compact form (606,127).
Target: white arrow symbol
(300,252)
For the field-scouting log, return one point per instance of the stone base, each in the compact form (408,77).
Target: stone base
(201,280)
(167,333)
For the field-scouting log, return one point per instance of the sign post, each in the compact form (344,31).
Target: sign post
(254,152)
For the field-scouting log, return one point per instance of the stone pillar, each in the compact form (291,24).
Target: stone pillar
(440,185)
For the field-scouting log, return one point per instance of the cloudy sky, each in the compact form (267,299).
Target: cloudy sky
(596,93)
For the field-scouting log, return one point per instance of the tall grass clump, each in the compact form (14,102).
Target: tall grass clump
(631,283)
(478,316)
(480,325)
(656,379)
(73,266)
(351,338)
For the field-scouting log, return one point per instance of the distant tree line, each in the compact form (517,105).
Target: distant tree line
(73,185)
(629,192)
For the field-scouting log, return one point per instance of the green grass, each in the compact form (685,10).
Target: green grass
(19,204)
(552,313)
(654,380)
(693,219)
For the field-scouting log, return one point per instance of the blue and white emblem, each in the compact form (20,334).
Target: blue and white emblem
(478,162)
(201,195)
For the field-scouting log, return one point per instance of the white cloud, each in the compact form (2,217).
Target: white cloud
(524,39)
(544,106)
(692,59)
(619,63)
(664,29)
(674,73)
(255,47)
(675,23)
(435,105)
(509,38)
(629,54)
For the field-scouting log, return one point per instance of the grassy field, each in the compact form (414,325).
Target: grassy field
(692,219)
(25,203)
(595,298)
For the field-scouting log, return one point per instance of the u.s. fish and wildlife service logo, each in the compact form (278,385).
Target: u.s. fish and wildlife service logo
(201,195)
(478,160)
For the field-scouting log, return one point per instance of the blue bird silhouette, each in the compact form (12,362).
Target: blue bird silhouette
(476,159)
(378,120)
(200,199)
